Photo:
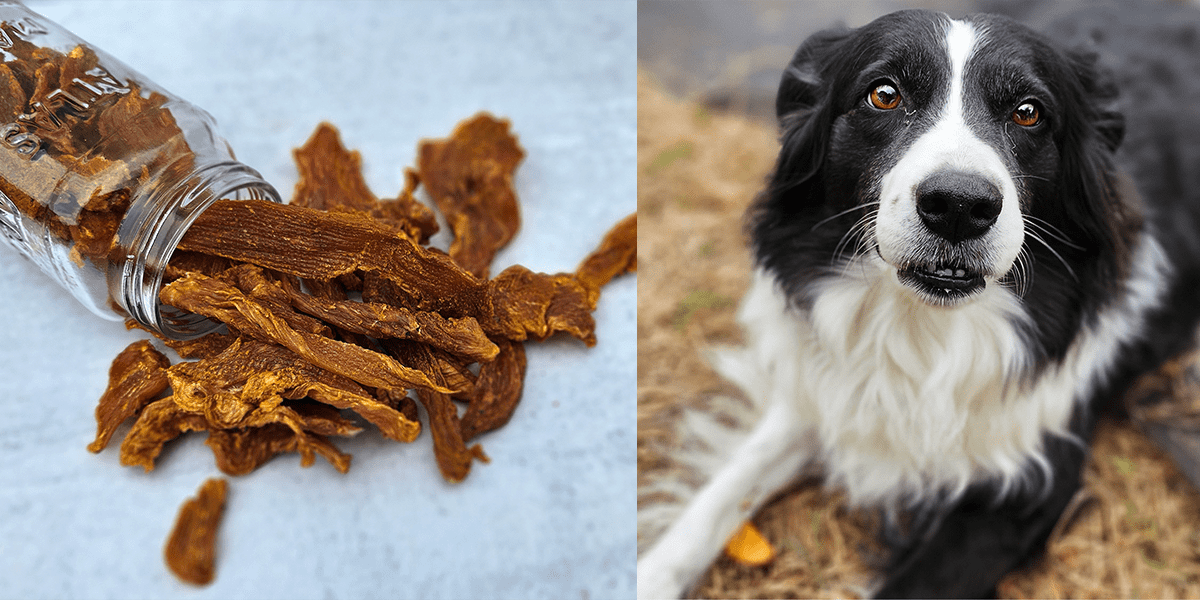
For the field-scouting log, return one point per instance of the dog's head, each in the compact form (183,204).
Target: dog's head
(961,153)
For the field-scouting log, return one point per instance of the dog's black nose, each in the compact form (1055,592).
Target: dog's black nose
(958,206)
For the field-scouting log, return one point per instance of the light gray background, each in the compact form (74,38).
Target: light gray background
(551,517)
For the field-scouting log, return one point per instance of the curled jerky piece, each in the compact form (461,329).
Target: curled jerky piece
(497,391)
(616,255)
(331,179)
(469,176)
(160,422)
(535,305)
(138,374)
(240,451)
(246,385)
(215,299)
(452,454)
(191,548)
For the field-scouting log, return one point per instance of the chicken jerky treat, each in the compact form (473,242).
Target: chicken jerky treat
(469,176)
(191,548)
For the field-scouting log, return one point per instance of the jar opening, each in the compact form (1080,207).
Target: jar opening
(154,235)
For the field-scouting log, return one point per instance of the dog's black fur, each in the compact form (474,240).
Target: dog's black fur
(1117,152)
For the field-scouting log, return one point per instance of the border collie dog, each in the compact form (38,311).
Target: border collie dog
(970,244)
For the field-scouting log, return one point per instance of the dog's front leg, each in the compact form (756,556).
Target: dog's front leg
(773,455)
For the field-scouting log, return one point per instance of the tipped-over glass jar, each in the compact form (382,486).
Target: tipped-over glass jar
(102,172)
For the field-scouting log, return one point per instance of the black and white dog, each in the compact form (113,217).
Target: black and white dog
(976,236)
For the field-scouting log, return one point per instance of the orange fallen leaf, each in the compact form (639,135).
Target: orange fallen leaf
(749,547)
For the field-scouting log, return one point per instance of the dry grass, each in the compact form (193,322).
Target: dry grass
(1135,534)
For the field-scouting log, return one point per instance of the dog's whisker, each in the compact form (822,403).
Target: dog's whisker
(1038,238)
(1050,230)
(843,213)
(856,232)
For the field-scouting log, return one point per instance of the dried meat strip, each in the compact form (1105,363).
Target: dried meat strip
(331,180)
(316,245)
(535,305)
(497,391)
(616,255)
(137,376)
(240,451)
(442,367)
(245,385)
(215,299)
(469,177)
(160,422)
(518,304)
(451,452)
(461,336)
(191,548)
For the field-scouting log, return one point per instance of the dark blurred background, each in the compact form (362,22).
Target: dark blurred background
(729,54)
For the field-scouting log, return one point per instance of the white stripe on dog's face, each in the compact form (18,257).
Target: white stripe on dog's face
(949,145)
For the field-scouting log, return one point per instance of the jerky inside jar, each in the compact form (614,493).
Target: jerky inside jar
(102,171)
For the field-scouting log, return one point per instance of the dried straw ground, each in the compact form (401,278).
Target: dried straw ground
(1135,536)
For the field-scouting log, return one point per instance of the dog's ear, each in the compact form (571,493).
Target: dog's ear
(1101,96)
(1103,216)
(803,108)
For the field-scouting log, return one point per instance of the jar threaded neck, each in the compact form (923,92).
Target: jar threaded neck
(152,237)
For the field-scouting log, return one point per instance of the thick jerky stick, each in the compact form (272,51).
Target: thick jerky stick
(137,376)
(310,244)
(212,298)
(191,547)
(316,245)
(469,176)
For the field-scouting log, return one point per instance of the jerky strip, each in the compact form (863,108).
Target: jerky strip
(331,180)
(138,374)
(218,300)
(536,305)
(244,386)
(316,245)
(440,365)
(160,422)
(191,547)
(497,391)
(452,454)
(240,451)
(616,255)
(462,336)
(469,177)
(518,304)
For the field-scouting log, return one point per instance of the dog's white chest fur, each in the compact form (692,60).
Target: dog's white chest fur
(908,399)
(905,398)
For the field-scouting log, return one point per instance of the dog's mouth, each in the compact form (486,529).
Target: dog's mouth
(943,283)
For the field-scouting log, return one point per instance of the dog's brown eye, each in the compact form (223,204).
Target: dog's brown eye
(885,96)
(1026,115)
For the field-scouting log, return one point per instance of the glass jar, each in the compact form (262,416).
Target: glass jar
(102,171)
